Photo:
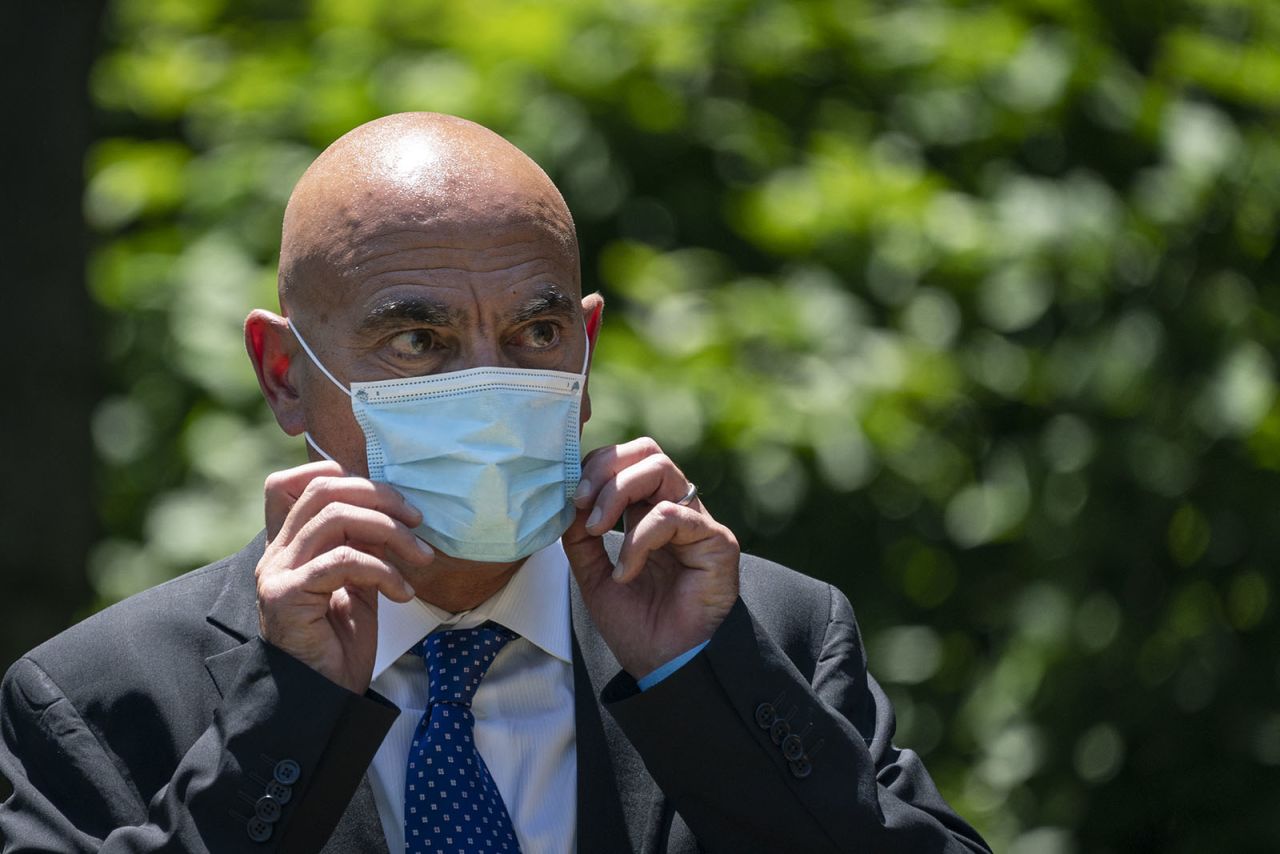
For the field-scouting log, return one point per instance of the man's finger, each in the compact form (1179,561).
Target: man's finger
(344,566)
(602,464)
(668,523)
(283,488)
(324,490)
(587,556)
(339,524)
(650,480)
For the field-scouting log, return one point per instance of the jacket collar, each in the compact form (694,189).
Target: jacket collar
(619,804)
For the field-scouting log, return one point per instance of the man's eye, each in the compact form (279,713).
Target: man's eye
(416,342)
(539,336)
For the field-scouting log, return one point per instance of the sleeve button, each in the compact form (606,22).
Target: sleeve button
(279,791)
(287,772)
(268,809)
(801,768)
(779,731)
(765,715)
(259,830)
(792,748)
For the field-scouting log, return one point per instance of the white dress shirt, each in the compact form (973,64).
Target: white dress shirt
(523,708)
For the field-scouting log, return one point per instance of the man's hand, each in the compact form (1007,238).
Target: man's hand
(677,572)
(334,542)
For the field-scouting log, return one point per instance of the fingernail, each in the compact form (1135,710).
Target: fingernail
(584,492)
(408,588)
(594,518)
(617,572)
(424,547)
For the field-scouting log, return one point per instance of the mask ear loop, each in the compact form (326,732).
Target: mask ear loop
(319,450)
(307,349)
(586,355)
(306,434)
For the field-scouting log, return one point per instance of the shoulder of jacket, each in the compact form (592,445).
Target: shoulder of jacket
(764,580)
(794,609)
(136,629)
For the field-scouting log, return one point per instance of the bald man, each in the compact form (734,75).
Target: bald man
(437,604)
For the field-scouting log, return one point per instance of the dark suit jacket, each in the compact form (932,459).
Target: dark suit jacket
(159,724)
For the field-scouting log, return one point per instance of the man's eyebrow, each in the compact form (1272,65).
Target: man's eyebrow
(395,311)
(549,300)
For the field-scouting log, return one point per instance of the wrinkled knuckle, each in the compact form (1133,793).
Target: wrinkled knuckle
(659,460)
(270,565)
(269,593)
(667,511)
(649,445)
(275,482)
(322,485)
(728,541)
(330,513)
(344,556)
(319,487)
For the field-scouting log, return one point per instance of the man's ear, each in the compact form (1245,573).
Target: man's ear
(272,350)
(593,311)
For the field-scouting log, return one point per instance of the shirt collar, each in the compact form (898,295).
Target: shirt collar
(534,604)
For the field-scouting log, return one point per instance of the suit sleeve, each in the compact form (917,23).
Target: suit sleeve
(755,757)
(283,731)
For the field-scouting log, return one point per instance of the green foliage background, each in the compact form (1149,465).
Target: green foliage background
(966,307)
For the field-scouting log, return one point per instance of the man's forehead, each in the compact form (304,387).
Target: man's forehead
(409,199)
(492,260)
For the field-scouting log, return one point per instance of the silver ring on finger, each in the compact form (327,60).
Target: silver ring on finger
(690,494)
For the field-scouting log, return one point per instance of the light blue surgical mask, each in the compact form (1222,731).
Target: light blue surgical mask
(489,455)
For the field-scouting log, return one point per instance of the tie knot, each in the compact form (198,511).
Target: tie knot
(458,659)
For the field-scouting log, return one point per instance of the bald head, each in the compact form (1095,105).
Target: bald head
(441,177)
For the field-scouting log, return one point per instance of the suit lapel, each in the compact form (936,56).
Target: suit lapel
(224,666)
(600,818)
(235,614)
(618,802)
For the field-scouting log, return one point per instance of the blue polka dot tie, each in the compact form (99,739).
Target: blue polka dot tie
(451,804)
